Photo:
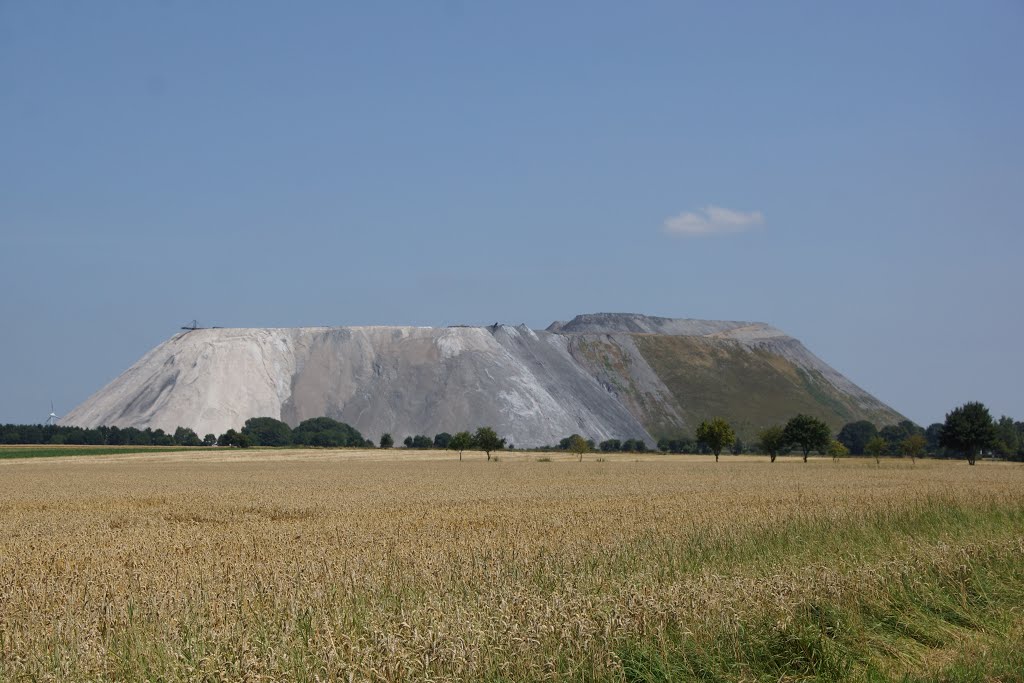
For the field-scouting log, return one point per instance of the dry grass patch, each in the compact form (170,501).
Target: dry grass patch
(377,566)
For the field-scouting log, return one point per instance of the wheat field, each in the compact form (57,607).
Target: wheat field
(393,566)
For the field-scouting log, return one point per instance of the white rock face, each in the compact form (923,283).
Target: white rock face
(403,380)
(527,384)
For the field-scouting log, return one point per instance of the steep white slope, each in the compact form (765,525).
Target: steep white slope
(209,380)
(403,380)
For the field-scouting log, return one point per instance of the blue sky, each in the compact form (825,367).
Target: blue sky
(429,163)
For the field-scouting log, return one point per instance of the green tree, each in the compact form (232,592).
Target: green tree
(228,438)
(809,434)
(114,437)
(486,439)
(896,434)
(969,429)
(183,436)
(877,447)
(160,438)
(1019,426)
(579,445)
(855,435)
(442,440)
(325,432)
(910,428)
(716,434)
(838,450)
(266,431)
(1007,440)
(137,437)
(386,440)
(893,435)
(933,435)
(566,443)
(210,440)
(610,445)
(633,446)
(914,446)
(422,442)
(460,442)
(773,441)
(681,445)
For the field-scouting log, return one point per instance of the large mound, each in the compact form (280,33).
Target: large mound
(604,376)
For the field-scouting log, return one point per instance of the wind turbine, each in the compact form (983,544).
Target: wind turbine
(52,419)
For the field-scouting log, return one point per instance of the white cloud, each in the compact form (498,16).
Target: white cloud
(712,220)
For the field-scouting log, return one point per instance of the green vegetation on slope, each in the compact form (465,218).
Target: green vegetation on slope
(611,366)
(750,388)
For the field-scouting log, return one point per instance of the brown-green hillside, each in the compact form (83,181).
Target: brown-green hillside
(749,386)
(671,374)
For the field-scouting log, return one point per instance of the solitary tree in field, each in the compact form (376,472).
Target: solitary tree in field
(914,446)
(716,434)
(809,433)
(838,450)
(578,445)
(486,439)
(461,442)
(877,447)
(968,429)
(386,440)
(773,440)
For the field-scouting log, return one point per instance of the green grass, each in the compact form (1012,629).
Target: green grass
(936,586)
(873,637)
(46,451)
(945,594)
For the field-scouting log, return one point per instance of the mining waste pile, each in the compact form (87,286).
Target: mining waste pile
(605,376)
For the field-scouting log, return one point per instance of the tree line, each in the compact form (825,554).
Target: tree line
(258,431)
(267,432)
(98,436)
(967,432)
(483,439)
